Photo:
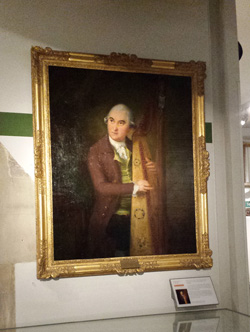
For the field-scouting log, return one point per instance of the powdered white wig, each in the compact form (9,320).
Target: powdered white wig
(122,108)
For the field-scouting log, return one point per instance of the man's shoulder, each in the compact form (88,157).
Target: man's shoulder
(101,145)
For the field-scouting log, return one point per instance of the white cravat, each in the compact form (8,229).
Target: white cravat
(122,152)
(120,148)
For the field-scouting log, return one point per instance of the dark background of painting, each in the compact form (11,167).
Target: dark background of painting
(79,100)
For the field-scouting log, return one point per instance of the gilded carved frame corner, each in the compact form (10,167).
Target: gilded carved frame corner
(47,266)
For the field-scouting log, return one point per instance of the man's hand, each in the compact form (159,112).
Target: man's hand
(150,165)
(144,186)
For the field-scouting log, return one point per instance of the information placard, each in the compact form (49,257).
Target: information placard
(193,292)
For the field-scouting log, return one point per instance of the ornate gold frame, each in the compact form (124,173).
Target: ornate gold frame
(46,266)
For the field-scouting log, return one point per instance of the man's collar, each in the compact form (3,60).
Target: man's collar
(116,144)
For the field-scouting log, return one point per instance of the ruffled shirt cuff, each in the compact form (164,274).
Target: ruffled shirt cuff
(136,188)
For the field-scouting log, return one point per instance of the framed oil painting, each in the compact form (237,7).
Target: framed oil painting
(121,165)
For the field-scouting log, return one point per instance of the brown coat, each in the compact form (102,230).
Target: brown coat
(107,180)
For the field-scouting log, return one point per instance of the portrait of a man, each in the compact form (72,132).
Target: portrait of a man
(110,165)
(183,297)
(122,164)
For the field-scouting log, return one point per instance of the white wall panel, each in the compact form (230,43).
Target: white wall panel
(21,149)
(88,298)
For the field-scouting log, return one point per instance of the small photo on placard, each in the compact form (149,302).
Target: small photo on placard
(193,292)
(182,295)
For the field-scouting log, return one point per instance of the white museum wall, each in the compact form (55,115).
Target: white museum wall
(248,243)
(246,138)
(180,30)
(229,187)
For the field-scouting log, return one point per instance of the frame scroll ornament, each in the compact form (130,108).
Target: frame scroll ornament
(47,265)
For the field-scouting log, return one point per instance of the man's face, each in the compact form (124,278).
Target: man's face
(118,125)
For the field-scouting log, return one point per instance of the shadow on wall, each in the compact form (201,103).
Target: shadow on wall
(18,235)
(83,25)
(18,241)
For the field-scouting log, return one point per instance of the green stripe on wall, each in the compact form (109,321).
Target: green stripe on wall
(16,124)
(20,124)
(208,130)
